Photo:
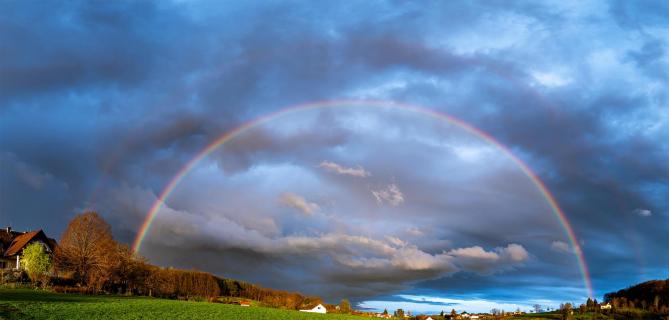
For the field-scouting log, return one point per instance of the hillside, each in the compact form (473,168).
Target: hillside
(35,304)
(268,297)
(651,295)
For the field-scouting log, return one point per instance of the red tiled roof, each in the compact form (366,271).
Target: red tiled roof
(20,242)
(6,238)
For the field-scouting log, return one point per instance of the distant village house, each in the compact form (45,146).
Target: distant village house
(12,244)
(317,309)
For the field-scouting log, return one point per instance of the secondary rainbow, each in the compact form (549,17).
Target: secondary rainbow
(550,199)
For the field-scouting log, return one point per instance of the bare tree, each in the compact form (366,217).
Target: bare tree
(537,308)
(87,250)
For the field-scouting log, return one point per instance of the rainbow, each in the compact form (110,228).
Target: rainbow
(550,199)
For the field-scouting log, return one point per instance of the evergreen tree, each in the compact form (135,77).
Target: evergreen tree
(589,305)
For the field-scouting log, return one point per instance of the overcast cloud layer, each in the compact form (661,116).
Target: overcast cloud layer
(101,104)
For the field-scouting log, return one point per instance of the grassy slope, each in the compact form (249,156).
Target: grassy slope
(557,316)
(532,316)
(638,314)
(32,304)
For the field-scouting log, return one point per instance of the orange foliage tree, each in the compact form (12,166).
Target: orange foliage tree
(87,249)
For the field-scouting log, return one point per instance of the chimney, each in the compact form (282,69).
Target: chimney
(8,229)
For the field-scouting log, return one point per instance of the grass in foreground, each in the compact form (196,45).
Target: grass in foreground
(621,315)
(34,304)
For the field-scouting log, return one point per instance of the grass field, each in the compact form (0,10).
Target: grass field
(624,314)
(33,304)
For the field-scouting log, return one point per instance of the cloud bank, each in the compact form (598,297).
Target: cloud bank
(100,106)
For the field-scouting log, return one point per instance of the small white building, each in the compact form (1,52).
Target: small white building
(317,309)
(606,306)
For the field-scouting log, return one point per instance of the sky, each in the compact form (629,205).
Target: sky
(102,104)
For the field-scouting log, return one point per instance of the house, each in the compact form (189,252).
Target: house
(12,244)
(606,306)
(317,309)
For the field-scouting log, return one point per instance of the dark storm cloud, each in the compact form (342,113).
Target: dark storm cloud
(256,146)
(73,46)
(108,100)
(639,15)
(356,265)
(339,252)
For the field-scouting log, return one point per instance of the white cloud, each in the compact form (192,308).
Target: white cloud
(515,252)
(560,246)
(366,258)
(411,258)
(395,255)
(396,241)
(478,259)
(550,79)
(339,169)
(471,153)
(428,304)
(390,194)
(415,232)
(298,202)
(643,212)
(475,252)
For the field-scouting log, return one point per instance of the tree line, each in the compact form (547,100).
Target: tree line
(89,260)
(652,296)
(646,300)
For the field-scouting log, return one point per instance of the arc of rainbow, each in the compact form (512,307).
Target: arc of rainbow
(538,183)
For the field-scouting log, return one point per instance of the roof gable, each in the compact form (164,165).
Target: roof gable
(22,240)
(6,238)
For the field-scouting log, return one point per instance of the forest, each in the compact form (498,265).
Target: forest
(652,296)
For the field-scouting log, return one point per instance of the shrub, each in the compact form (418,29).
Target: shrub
(36,262)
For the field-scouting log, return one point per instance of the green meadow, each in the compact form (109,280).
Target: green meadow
(37,304)
(622,315)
